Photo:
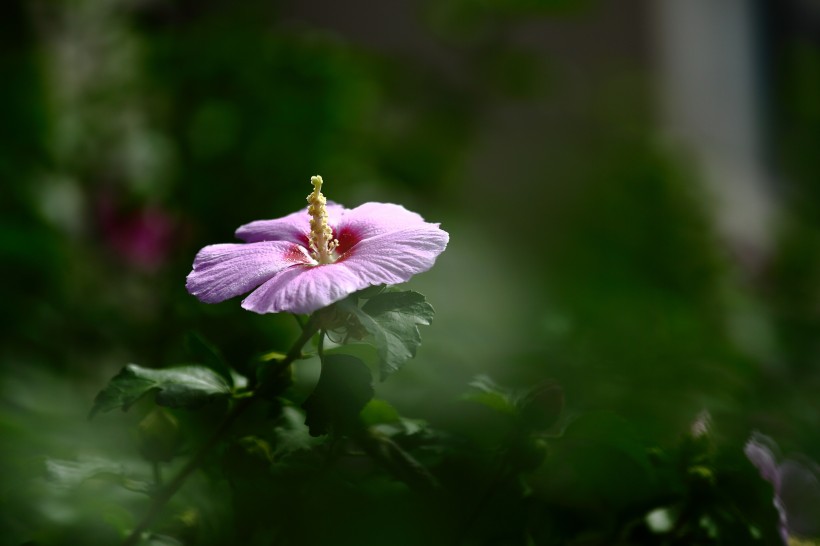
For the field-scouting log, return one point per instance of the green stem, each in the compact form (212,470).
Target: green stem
(320,347)
(298,320)
(165,494)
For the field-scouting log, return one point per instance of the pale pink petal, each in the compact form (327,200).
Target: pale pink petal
(294,227)
(304,289)
(227,270)
(394,257)
(371,219)
(762,452)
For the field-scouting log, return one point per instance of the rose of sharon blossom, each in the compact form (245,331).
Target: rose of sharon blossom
(312,258)
(796,486)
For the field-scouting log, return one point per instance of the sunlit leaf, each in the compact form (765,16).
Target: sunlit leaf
(392,319)
(180,387)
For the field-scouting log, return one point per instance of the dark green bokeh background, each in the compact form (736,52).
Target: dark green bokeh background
(133,133)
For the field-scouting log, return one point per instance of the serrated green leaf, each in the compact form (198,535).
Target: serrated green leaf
(344,388)
(370,291)
(392,320)
(179,387)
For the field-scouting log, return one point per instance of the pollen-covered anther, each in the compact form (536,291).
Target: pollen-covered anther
(322,243)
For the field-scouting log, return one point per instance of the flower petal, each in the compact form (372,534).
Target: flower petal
(304,289)
(390,258)
(762,452)
(294,227)
(394,257)
(371,219)
(227,270)
(799,494)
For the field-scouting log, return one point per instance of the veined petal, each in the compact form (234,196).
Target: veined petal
(223,271)
(294,227)
(304,289)
(371,219)
(394,257)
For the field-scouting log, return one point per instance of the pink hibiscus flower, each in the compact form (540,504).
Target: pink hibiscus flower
(309,259)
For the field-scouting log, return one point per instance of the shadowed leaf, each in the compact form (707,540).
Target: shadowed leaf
(344,388)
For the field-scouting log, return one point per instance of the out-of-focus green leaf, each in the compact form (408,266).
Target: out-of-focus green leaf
(602,457)
(542,406)
(161,540)
(180,387)
(73,474)
(488,393)
(208,354)
(378,412)
(392,320)
(292,434)
(158,435)
(344,388)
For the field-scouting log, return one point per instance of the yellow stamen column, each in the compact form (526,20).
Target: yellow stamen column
(322,243)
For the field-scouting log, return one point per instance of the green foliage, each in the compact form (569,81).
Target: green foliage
(344,388)
(206,353)
(180,387)
(628,295)
(488,393)
(73,474)
(392,319)
(159,435)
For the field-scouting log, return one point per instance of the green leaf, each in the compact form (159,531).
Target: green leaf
(492,395)
(344,388)
(73,474)
(206,353)
(378,412)
(292,434)
(542,406)
(365,352)
(392,320)
(180,387)
(601,456)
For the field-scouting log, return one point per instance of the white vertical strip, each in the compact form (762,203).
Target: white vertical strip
(710,106)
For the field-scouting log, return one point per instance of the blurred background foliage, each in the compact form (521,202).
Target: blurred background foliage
(584,249)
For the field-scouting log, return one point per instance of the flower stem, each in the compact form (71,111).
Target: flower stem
(165,494)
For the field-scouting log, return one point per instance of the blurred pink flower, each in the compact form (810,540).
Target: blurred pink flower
(143,238)
(796,486)
(319,255)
